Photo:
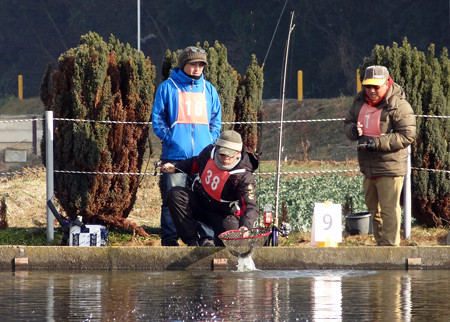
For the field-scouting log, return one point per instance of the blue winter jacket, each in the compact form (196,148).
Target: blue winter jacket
(184,141)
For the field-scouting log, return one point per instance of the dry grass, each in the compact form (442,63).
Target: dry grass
(25,197)
(420,236)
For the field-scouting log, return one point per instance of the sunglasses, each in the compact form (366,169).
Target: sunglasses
(377,87)
(195,50)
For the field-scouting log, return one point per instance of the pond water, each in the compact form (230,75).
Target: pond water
(298,295)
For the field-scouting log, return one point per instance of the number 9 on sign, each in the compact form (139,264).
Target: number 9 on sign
(327,221)
(327,225)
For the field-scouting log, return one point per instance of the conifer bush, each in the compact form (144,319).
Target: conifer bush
(99,82)
(249,103)
(224,78)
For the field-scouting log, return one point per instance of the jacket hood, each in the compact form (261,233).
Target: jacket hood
(180,77)
(394,95)
(249,161)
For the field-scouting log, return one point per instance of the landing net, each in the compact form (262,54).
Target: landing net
(241,243)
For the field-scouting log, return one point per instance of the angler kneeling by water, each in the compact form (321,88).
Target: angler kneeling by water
(223,198)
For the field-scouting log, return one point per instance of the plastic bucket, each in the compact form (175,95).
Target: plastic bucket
(358,223)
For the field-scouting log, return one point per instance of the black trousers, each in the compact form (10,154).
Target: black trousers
(186,209)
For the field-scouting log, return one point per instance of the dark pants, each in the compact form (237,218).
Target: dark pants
(186,210)
(168,232)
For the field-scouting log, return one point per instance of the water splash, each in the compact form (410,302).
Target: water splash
(246,264)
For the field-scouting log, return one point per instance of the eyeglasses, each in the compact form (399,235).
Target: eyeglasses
(195,50)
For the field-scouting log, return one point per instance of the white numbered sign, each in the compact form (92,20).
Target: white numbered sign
(327,223)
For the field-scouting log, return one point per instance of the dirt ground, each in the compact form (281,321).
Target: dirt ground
(25,197)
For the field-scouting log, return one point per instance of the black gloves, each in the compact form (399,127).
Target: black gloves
(371,146)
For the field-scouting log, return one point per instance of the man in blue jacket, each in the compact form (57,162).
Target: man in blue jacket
(186,116)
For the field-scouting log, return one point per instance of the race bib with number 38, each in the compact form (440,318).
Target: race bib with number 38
(214,179)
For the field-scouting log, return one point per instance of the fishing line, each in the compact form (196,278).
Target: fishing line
(262,67)
(273,36)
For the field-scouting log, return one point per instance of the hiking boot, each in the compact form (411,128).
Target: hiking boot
(171,242)
(192,242)
(205,242)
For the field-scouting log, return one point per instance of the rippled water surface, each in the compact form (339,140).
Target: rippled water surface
(303,295)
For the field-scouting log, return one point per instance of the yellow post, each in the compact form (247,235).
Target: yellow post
(20,87)
(300,85)
(358,82)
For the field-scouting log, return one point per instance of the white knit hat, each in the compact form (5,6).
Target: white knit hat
(228,143)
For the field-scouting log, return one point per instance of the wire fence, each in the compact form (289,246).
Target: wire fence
(300,223)
(316,172)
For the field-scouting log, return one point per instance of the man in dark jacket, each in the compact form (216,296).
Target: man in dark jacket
(223,198)
(383,123)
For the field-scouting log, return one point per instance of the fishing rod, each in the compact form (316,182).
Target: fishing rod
(270,217)
(291,28)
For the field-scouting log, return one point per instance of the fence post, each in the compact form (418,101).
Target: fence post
(358,82)
(20,87)
(300,85)
(407,198)
(49,172)
(34,135)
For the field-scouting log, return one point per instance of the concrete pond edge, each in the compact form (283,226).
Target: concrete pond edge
(219,258)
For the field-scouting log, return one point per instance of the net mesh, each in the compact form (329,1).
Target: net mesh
(242,243)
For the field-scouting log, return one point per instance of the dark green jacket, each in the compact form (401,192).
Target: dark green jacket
(398,130)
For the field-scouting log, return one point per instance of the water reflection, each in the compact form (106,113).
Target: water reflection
(327,298)
(307,295)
